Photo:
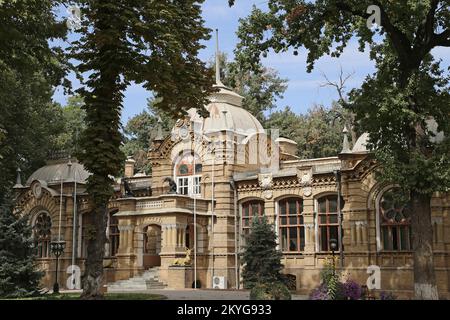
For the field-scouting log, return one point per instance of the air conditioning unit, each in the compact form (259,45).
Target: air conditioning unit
(219,282)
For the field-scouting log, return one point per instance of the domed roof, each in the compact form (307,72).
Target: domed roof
(52,173)
(361,143)
(226,113)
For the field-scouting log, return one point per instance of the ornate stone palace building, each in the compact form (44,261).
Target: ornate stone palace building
(210,176)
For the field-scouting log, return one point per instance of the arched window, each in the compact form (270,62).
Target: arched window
(328,224)
(292,231)
(114,234)
(251,209)
(42,234)
(395,220)
(187,176)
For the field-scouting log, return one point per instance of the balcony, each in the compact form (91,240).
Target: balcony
(168,203)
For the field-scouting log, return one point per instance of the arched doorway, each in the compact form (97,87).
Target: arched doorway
(152,246)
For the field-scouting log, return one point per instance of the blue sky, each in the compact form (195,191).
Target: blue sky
(304,89)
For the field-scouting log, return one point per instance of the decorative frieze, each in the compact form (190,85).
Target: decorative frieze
(149,204)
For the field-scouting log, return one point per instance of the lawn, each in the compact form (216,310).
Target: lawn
(108,296)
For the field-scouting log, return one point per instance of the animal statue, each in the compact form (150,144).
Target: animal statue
(172,185)
(128,192)
(186,261)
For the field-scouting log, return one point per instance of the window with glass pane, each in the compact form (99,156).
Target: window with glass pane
(291,225)
(183,186)
(197,185)
(42,234)
(114,234)
(251,209)
(187,171)
(328,221)
(395,221)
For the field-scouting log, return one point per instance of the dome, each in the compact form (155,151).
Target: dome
(226,113)
(361,143)
(52,172)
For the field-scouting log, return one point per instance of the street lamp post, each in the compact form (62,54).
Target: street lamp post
(57,248)
(333,247)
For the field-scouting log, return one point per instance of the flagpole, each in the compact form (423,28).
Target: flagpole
(195,230)
(74,228)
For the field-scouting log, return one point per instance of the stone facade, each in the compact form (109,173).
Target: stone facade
(225,168)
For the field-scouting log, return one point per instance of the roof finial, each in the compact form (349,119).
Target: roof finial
(18,179)
(159,134)
(218,82)
(345,143)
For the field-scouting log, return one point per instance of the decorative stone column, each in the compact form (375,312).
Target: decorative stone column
(180,232)
(359,234)
(126,238)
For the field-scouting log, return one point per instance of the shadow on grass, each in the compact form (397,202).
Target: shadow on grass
(108,296)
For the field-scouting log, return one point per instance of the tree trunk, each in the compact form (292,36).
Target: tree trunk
(422,242)
(93,274)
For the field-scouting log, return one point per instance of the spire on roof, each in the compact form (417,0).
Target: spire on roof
(218,82)
(345,143)
(18,179)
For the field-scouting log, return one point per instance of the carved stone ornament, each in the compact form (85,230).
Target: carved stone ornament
(265,180)
(37,190)
(267,194)
(307,191)
(304,176)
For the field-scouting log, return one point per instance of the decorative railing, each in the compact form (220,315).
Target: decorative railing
(149,204)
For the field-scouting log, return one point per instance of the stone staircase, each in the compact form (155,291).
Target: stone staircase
(147,281)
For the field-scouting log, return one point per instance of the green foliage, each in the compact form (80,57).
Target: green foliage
(318,133)
(74,121)
(116,39)
(19,276)
(29,70)
(271,291)
(325,27)
(400,124)
(153,43)
(261,259)
(141,130)
(394,105)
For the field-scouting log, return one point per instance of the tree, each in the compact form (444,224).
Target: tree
(404,126)
(74,121)
(409,31)
(151,43)
(318,133)
(19,276)
(261,259)
(29,70)
(141,130)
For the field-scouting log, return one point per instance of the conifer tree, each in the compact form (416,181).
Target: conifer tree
(19,276)
(261,259)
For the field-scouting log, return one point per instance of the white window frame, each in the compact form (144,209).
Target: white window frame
(193,189)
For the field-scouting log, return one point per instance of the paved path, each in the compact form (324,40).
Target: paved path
(199,294)
(190,294)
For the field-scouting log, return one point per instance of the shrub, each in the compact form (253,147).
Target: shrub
(331,287)
(273,291)
(320,293)
(387,296)
(352,290)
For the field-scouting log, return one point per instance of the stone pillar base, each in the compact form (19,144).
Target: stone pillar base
(179,277)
